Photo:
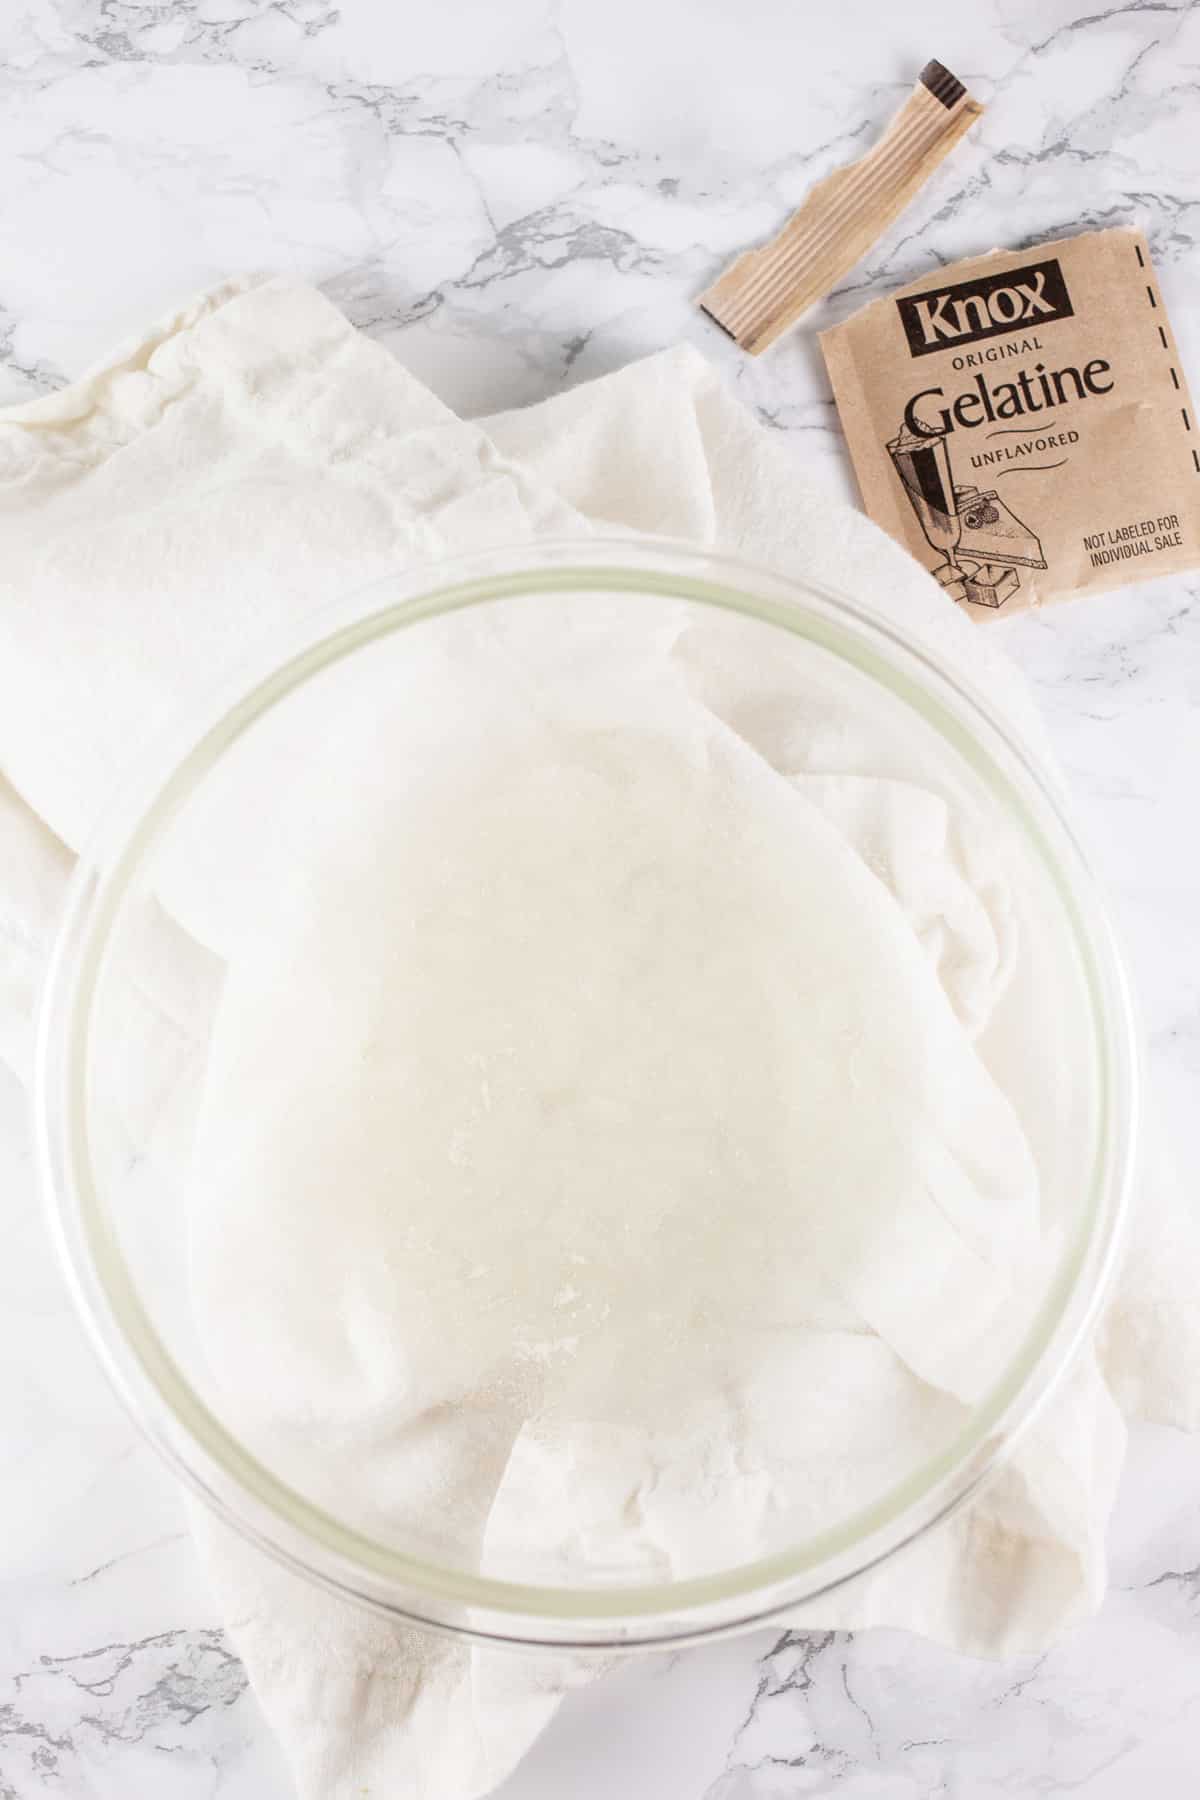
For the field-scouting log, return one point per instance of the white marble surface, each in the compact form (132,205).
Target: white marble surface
(514,194)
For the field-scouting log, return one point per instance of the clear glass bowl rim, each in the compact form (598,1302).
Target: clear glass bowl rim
(246,1494)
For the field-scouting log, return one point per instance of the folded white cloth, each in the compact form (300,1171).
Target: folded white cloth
(254,457)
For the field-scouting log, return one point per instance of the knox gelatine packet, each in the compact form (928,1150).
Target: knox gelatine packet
(1021,423)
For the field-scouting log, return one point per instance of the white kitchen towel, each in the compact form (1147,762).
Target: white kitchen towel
(254,457)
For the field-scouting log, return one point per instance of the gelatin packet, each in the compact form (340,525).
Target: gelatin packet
(1021,423)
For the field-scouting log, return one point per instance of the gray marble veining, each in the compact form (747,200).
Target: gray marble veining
(514,195)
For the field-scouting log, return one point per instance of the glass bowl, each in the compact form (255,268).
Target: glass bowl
(212,844)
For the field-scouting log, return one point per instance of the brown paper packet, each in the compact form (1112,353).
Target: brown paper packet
(1021,423)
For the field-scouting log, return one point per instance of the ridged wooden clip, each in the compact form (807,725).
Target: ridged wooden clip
(768,289)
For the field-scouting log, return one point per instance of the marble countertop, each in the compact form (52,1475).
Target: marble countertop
(515,195)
